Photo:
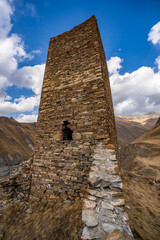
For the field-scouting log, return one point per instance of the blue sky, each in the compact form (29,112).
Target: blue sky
(130,32)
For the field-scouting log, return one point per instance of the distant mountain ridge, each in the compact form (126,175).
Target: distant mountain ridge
(131,127)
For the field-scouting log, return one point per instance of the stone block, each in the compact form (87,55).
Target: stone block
(77,136)
(118,202)
(89,204)
(106,205)
(92,233)
(117,235)
(57,137)
(89,218)
(108,227)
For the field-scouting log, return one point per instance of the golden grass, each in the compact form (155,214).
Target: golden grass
(60,221)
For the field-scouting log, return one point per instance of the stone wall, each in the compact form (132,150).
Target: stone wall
(103,210)
(16,186)
(76,89)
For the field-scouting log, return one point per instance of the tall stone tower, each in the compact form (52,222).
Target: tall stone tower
(75,150)
(75,89)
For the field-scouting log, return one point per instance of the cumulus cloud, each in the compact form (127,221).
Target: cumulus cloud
(5,21)
(19,105)
(30,77)
(158,62)
(27,118)
(137,92)
(114,64)
(12,51)
(154,34)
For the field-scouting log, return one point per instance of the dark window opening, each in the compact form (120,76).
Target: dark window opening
(67,132)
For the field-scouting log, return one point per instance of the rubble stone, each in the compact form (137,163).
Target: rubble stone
(117,235)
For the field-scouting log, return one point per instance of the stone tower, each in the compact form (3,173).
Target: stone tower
(75,150)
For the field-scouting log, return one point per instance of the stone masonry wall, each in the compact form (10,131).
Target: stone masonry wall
(103,209)
(16,186)
(75,89)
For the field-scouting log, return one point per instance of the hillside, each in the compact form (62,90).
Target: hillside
(140,173)
(131,127)
(140,165)
(16,141)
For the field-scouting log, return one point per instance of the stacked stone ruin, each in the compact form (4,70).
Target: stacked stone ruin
(76,143)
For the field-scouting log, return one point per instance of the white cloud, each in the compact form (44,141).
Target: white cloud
(154,34)
(114,64)
(158,62)
(19,105)
(31,9)
(5,20)
(11,47)
(8,97)
(36,51)
(137,92)
(27,118)
(12,51)
(30,77)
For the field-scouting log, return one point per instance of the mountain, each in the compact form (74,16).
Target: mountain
(133,126)
(16,141)
(140,170)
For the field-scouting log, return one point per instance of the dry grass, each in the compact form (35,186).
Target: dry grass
(42,222)
(144,213)
(141,180)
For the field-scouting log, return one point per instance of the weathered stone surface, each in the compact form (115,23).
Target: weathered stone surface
(76,136)
(106,205)
(119,202)
(107,227)
(94,233)
(89,204)
(16,186)
(89,218)
(117,235)
(109,211)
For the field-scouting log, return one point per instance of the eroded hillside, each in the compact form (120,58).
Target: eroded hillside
(140,163)
(131,127)
(16,141)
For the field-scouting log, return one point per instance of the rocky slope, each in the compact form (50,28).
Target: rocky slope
(140,163)
(131,127)
(16,141)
